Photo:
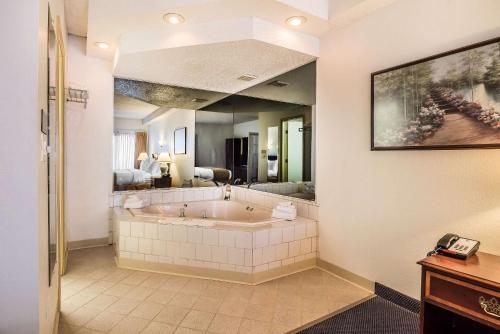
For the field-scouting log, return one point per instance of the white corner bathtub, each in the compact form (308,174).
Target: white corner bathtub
(208,213)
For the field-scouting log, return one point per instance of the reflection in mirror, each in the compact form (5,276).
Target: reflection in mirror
(261,137)
(51,135)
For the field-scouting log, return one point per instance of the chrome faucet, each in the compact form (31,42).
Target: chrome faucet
(227,193)
(182,211)
(252,181)
(204,214)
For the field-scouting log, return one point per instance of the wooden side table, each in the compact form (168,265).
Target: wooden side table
(460,296)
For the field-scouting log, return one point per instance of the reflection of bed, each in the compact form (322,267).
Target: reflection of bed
(136,179)
(214,174)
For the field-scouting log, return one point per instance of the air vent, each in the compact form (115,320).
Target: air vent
(198,100)
(278,83)
(247,77)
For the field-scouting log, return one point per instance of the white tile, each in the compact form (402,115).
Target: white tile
(288,233)
(173,249)
(299,258)
(137,229)
(219,254)
(303,210)
(121,241)
(208,194)
(151,230)
(118,200)
(268,254)
(189,196)
(248,257)
(165,232)
(287,262)
(257,256)
(275,264)
(181,262)
(178,196)
(227,267)
(261,238)
(198,195)
(196,263)
(275,236)
(125,228)
(310,256)
(243,269)
(227,238)
(151,258)
(125,255)
(131,244)
(165,259)
(311,229)
(243,239)
(145,246)
(158,247)
(138,256)
(294,248)
(210,236)
(211,265)
(300,231)
(156,197)
(236,256)
(282,251)
(195,234)
(314,244)
(168,197)
(313,212)
(187,251)
(179,233)
(305,246)
(260,268)
(203,252)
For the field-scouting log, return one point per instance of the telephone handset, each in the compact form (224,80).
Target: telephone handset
(454,246)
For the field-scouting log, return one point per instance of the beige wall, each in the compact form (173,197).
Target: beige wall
(162,129)
(128,124)
(382,211)
(89,133)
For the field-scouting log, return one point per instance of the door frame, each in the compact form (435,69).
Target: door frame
(280,143)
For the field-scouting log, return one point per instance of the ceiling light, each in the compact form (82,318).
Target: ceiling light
(247,77)
(198,100)
(102,45)
(296,21)
(278,83)
(173,18)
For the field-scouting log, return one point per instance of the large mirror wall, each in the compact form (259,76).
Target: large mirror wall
(261,137)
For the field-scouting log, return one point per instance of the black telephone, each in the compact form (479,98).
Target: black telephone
(454,246)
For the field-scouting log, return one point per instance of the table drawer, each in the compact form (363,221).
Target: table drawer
(472,300)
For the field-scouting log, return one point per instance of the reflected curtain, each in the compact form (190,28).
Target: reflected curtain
(123,150)
(141,142)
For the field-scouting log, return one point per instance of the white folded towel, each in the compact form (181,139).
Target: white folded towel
(285,204)
(288,209)
(283,215)
(133,202)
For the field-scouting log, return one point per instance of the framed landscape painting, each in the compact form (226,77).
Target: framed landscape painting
(448,101)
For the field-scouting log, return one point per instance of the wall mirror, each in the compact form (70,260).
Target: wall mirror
(261,137)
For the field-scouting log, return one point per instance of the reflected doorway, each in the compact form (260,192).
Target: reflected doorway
(292,149)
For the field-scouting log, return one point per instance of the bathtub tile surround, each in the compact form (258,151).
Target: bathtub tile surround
(96,295)
(245,250)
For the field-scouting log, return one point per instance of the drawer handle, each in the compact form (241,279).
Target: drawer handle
(491,307)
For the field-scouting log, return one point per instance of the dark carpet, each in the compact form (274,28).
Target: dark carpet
(375,316)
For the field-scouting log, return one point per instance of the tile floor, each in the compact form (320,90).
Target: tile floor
(98,297)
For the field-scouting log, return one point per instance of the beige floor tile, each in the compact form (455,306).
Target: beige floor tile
(277,328)
(65,328)
(101,302)
(147,310)
(158,328)
(136,278)
(172,315)
(98,287)
(224,324)
(139,293)
(84,330)
(154,281)
(117,275)
(80,317)
(207,304)
(130,325)
(104,321)
(216,289)
(99,273)
(80,283)
(197,320)
(67,292)
(67,308)
(124,306)
(81,298)
(288,316)
(161,296)
(259,312)
(174,283)
(254,327)
(240,292)
(234,307)
(184,300)
(118,290)
(263,298)
(183,330)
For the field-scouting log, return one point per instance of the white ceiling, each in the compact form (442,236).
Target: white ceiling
(76,14)
(214,67)
(128,107)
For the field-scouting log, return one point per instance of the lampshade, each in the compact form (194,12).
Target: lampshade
(142,156)
(164,157)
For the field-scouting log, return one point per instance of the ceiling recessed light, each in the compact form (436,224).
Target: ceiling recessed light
(173,18)
(102,45)
(296,21)
(247,77)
